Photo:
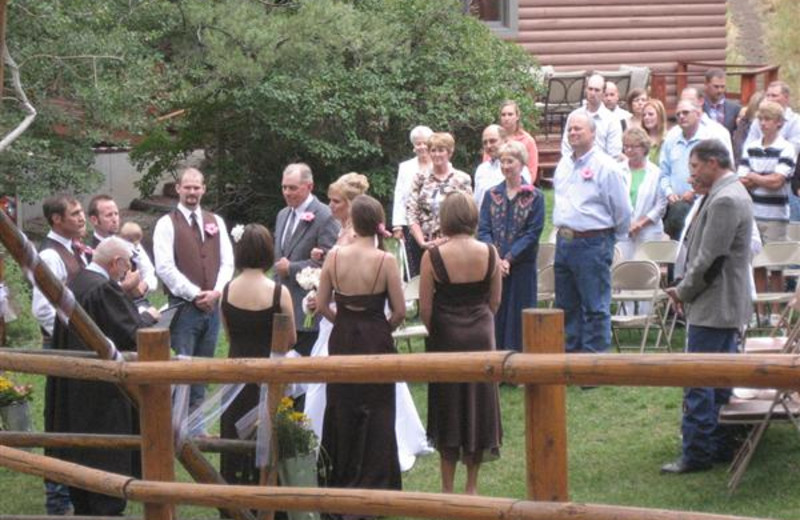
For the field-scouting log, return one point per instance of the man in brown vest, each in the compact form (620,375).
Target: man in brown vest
(64,253)
(194,260)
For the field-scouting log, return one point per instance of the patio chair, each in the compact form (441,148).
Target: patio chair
(411,328)
(546,286)
(633,282)
(564,94)
(546,255)
(621,78)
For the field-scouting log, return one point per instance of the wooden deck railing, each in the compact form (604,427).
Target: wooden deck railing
(751,77)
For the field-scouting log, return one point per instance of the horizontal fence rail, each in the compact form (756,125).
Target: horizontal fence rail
(751,370)
(365,502)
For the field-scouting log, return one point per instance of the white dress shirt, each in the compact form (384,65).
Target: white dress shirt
(42,310)
(402,189)
(298,211)
(608,132)
(163,251)
(590,194)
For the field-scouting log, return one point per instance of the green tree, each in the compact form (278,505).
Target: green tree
(336,84)
(92,72)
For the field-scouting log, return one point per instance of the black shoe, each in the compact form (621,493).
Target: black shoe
(680,466)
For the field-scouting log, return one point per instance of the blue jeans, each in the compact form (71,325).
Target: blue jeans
(194,333)
(56,496)
(703,438)
(583,290)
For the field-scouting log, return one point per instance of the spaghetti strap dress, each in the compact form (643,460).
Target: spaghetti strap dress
(463,418)
(250,334)
(358,432)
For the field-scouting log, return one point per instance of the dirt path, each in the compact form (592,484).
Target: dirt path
(750,39)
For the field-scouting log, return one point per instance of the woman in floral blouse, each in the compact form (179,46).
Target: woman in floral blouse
(512,217)
(430,188)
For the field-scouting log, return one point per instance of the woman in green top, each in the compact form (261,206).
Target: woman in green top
(647,199)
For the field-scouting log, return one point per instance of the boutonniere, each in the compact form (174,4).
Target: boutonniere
(83,248)
(526,188)
(307,216)
(587,174)
(211,229)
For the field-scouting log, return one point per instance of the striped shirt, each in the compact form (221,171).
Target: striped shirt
(778,157)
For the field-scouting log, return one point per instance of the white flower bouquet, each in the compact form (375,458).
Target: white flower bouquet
(308,280)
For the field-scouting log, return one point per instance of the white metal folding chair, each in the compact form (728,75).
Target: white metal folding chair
(632,282)
(546,255)
(411,328)
(664,253)
(546,286)
(775,256)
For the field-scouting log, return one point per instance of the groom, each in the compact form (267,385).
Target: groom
(305,223)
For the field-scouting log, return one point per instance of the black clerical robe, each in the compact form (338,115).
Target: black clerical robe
(77,406)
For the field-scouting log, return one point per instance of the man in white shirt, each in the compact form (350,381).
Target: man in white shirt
(713,129)
(608,133)
(591,211)
(488,174)
(611,101)
(194,260)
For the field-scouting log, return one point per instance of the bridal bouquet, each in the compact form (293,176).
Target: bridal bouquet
(308,279)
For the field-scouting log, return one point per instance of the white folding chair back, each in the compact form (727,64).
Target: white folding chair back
(546,255)
(658,251)
(777,255)
(546,285)
(635,281)
(793,231)
(410,328)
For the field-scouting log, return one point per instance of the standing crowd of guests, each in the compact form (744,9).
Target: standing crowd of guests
(623,178)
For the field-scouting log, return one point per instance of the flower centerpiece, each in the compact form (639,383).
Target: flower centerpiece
(308,279)
(14,409)
(297,460)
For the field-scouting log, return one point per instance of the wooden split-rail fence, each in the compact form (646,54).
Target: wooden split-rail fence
(544,370)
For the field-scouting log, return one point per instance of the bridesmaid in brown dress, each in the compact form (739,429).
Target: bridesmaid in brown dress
(358,432)
(248,304)
(460,285)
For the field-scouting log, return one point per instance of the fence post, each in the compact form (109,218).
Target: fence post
(155,417)
(545,411)
(282,327)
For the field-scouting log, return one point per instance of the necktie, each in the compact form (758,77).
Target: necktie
(77,250)
(196,227)
(287,233)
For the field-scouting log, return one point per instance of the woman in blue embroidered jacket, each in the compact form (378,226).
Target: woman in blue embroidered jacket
(512,217)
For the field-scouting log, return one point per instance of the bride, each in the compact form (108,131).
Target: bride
(411,438)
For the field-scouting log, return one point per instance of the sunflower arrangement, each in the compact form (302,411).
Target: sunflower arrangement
(295,436)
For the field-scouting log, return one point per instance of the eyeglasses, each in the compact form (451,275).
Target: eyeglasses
(683,113)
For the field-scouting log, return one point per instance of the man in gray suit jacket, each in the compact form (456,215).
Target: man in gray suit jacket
(715,295)
(304,224)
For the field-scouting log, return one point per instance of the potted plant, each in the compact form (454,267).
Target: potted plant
(14,405)
(297,445)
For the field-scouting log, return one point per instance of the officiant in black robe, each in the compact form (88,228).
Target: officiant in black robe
(78,406)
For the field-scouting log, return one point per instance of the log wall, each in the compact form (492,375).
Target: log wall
(604,34)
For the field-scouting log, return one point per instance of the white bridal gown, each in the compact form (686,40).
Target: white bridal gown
(411,438)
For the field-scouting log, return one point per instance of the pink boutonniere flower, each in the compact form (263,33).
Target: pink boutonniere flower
(526,188)
(587,174)
(83,248)
(211,229)
(307,216)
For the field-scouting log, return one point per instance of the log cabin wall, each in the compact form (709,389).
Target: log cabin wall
(604,34)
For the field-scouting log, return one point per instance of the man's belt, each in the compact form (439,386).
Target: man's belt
(568,234)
